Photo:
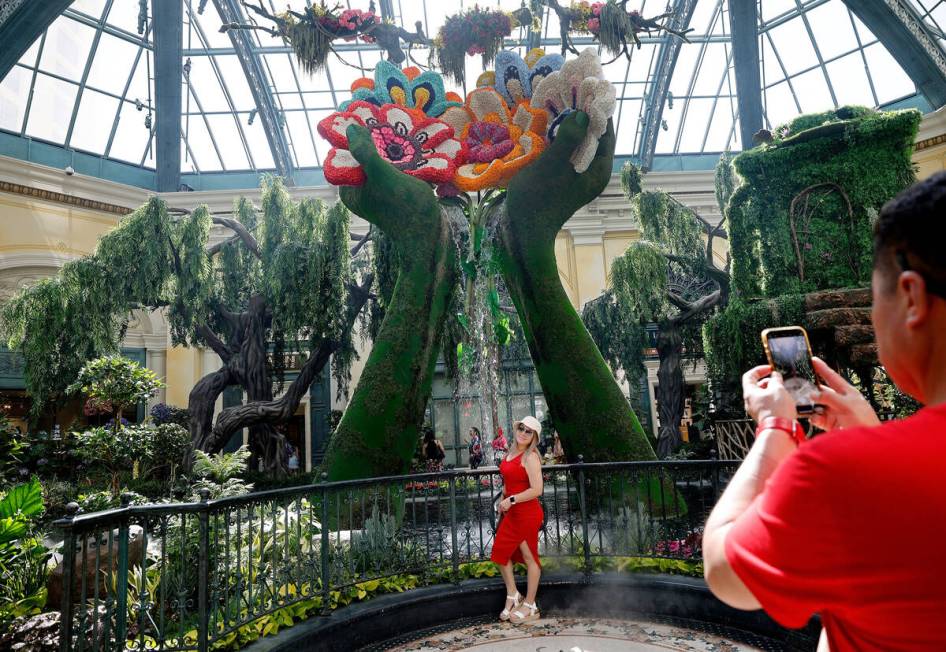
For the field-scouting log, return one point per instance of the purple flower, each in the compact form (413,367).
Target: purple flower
(488,141)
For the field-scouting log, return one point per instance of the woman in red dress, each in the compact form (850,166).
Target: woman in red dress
(517,538)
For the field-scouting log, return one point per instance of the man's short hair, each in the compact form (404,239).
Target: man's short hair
(911,231)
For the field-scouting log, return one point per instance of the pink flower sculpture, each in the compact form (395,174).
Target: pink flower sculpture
(415,144)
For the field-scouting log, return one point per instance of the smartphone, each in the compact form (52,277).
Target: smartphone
(789,353)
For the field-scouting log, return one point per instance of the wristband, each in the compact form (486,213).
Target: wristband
(512,499)
(790,426)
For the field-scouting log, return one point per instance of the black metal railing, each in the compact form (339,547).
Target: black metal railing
(189,576)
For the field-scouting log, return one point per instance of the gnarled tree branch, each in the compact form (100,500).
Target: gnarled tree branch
(241,231)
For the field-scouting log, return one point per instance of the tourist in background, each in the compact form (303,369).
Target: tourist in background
(476,448)
(849,524)
(294,460)
(517,537)
(433,451)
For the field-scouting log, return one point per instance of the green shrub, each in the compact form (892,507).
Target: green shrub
(23,557)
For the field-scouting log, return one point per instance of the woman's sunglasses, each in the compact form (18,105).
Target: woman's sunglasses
(522,428)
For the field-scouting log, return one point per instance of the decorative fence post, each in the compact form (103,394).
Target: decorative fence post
(68,563)
(203,570)
(326,588)
(585,543)
(454,549)
(121,579)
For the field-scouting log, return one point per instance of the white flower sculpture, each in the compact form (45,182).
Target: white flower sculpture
(579,86)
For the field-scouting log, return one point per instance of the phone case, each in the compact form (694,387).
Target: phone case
(802,409)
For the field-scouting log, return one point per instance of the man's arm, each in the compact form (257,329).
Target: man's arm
(767,453)
(764,397)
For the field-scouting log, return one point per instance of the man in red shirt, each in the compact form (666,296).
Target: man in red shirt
(852,524)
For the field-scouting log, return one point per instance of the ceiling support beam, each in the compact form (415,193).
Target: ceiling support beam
(24,25)
(168,26)
(266,108)
(660,85)
(744,25)
(909,40)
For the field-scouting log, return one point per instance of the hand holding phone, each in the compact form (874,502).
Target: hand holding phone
(789,353)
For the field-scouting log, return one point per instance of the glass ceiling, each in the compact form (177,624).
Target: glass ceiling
(87,83)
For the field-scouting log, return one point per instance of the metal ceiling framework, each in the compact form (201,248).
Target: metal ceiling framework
(909,32)
(910,40)
(256,77)
(21,23)
(660,85)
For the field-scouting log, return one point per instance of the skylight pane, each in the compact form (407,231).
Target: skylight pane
(686,61)
(712,71)
(205,87)
(227,135)
(691,139)
(668,137)
(201,146)
(131,136)
(92,8)
(812,91)
(47,119)
(720,130)
(93,121)
(794,46)
(67,48)
(14,92)
(832,28)
(889,79)
(779,104)
(258,143)
(775,8)
(627,129)
(111,64)
(849,80)
(236,84)
(124,15)
(705,12)
(297,125)
(141,88)
(29,57)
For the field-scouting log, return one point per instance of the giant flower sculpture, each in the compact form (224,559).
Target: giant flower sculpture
(579,86)
(516,78)
(414,143)
(498,143)
(409,87)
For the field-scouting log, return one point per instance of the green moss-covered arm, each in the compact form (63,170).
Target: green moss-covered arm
(378,432)
(590,412)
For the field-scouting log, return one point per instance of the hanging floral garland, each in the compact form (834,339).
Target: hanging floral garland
(472,32)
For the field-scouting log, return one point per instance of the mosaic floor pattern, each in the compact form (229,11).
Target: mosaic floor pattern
(561,634)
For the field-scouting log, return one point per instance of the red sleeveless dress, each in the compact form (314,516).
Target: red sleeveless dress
(522,522)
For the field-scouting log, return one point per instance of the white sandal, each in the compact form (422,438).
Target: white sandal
(519,615)
(516,601)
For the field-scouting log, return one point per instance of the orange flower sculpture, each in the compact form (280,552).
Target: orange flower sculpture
(498,143)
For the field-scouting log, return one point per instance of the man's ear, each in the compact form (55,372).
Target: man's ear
(913,287)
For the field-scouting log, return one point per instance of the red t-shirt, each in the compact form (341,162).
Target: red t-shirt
(853,526)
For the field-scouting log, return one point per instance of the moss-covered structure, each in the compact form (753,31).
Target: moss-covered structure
(379,430)
(800,223)
(590,412)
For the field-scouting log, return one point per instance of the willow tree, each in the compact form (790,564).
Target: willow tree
(670,277)
(282,280)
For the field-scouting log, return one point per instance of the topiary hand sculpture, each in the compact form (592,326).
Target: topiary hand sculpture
(378,432)
(588,407)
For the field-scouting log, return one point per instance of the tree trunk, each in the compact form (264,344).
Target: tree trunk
(200,404)
(670,399)
(267,444)
(591,413)
(378,432)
